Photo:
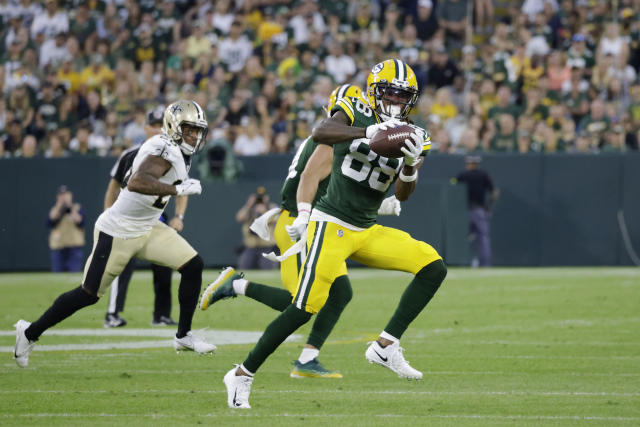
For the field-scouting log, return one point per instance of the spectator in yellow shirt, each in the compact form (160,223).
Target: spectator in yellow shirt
(198,43)
(443,107)
(96,75)
(69,77)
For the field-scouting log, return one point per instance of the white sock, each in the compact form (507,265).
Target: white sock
(308,354)
(240,285)
(389,337)
(248,372)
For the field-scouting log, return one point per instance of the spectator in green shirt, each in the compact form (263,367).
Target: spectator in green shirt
(506,139)
(595,124)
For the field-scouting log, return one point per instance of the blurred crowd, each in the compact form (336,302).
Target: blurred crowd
(78,76)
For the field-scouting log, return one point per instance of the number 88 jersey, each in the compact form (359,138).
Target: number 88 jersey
(360,178)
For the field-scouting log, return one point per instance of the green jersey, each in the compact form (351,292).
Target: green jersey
(360,178)
(290,186)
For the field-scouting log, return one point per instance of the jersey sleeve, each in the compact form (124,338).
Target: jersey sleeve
(160,146)
(346,106)
(426,147)
(426,144)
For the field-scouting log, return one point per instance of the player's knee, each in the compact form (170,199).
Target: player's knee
(84,296)
(434,272)
(341,291)
(298,316)
(193,268)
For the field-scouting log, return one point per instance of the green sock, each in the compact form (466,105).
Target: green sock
(415,298)
(284,325)
(339,296)
(276,298)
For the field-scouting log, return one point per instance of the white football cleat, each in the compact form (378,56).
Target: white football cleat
(238,389)
(392,357)
(24,347)
(192,343)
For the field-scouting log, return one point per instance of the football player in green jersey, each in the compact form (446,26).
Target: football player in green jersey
(342,224)
(231,283)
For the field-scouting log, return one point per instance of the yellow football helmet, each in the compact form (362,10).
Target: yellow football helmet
(392,89)
(185,112)
(341,92)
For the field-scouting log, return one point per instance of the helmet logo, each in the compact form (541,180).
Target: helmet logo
(176,108)
(377,68)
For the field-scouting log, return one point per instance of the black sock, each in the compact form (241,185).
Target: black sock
(284,325)
(188,292)
(415,298)
(339,296)
(276,298)
(64,306)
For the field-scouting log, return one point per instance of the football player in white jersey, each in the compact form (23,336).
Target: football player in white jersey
(130,227)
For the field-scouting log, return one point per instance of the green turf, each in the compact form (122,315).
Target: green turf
(497,347)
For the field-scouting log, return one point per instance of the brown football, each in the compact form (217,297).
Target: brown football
(388,143)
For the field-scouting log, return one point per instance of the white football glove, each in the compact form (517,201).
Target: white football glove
(188,187)
(412,149)
(299,226)
(390,206)
(389,124)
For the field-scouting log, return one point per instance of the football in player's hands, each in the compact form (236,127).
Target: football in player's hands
(389,143)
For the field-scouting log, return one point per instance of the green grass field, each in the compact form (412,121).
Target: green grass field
(535,347)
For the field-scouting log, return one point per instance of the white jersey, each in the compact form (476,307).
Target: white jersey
(134,214)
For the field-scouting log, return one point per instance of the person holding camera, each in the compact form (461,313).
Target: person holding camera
(66,238)
(252,245)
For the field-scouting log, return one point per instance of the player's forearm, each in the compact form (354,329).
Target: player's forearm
(334,133)
(145,183)
(404,189)
(181,205)
(112,193)
(307,189)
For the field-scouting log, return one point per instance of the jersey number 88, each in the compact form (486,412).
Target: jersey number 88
(375,169)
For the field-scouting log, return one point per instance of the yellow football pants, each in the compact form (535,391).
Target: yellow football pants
(289,267)
(329,245)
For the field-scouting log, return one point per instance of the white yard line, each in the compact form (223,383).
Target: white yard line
(544,343)
(256,413)
(426,373)
(217,337)
(352,392)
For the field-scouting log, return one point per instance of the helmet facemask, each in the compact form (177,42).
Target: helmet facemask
(394,101)
(187,148)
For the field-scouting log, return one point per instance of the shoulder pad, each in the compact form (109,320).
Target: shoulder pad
(156,145)
(346,106)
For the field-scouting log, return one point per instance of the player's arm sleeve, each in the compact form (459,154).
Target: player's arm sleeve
(346,106)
